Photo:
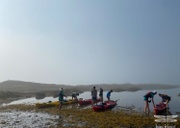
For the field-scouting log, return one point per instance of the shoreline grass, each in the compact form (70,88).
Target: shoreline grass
(87,118)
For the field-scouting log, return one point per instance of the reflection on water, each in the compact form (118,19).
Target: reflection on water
(126,99)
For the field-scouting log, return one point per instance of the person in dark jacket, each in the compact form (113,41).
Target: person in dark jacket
(74,95)
(101,94)
(148,98)
(165,98)
(61,97)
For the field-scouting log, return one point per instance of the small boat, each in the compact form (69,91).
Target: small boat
(54,103)
(160,108)
(105,106)
(86,101)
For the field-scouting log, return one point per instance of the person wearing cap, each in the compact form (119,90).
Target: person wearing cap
(165,98)
(108,95)
(148,98)
(101,94)
(61,97)
(94,95)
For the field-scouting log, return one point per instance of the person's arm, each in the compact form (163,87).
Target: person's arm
(63,94)
(153,101)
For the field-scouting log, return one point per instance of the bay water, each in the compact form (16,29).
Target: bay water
(125,99)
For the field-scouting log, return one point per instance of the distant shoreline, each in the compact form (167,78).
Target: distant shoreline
(27,87)
(7,97)
(10,90)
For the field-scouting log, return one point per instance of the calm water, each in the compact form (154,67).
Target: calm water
(136,99)
(125,99)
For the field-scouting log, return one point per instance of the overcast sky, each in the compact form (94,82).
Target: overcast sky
(90,41)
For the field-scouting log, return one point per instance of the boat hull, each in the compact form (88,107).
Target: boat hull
(160,109)
(87,101)
(54,104)
(105,106)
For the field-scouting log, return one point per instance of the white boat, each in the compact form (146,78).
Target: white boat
(166,116)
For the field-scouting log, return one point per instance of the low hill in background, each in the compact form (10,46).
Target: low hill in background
(26,87)
(21,86)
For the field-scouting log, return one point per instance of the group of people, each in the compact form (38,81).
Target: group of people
(94,95)
(150,97)
(61,96)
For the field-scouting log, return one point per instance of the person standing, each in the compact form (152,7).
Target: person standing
(147,97)
(94,95)
(61,97)
(108,95)
(101,94)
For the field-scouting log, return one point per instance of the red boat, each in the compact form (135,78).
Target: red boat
(160,108)
(86,101)
(105,106)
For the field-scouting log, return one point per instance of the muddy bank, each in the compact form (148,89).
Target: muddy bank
(73,116)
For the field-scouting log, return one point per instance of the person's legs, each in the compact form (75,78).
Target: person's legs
(73,96)
(108,98)
(92,101)
(95,100)
(60,105)
(146,108)
(76,98)
(101,98)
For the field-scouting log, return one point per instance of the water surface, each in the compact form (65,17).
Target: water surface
(126,98)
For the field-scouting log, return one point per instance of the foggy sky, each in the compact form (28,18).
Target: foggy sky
(90,42)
